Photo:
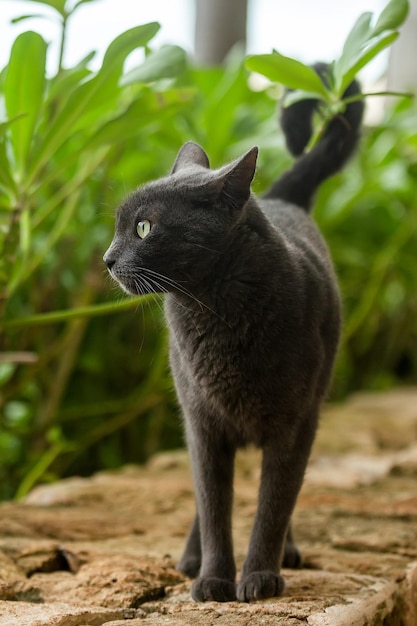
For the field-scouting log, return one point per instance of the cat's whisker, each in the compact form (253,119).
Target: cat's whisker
(199,245)
(175,285)
(182,305)
(146,289)
(150,285)
(108,213)
(154,287)
(140,291)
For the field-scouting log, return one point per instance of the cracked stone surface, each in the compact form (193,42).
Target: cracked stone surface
(101,551)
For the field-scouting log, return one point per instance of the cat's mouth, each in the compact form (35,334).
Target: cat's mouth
(127,288)
(139,282)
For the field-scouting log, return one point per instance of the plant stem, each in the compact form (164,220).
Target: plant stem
(382,265)
(62,43)
(64,365)
(39,469)
(362,96)
(318,134)
(95,310)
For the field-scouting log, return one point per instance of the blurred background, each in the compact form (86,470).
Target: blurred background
(109,98)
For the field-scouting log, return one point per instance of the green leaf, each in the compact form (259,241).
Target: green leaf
(394,14)
(101,90)
(6,179)
(288,72)
(367,55)
(6,372)
(68,205)
(144,110)
(225,92)
(25,232)
(352,48)
(292,97)
(58,5)
(68,79)
(167,62)
(24,87)
(79,3)
(125,43)
(10,448)
(21,18)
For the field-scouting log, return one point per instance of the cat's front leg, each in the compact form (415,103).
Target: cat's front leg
(283,468)
(212,461)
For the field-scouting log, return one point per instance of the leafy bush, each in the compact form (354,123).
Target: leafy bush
(83,373)
(84,382)
(363,43)
(369,217)
(67,152)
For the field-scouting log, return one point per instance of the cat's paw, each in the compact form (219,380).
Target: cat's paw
(190,566)
(209,588)
(292,556)
(260,585)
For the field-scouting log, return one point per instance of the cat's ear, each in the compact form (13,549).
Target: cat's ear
(190,154)
(234,180)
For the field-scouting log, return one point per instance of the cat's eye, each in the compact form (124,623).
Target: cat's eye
(143,228)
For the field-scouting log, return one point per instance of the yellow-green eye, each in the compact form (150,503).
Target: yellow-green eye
(143,228)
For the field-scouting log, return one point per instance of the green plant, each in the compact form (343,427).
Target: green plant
(83,374)
(369,213)
(62,147)
(362,45)
(85,382)
(369,217)
(62,131)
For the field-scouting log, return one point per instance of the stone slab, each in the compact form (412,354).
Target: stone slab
(102,550)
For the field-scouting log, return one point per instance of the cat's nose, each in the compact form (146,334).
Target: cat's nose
(109,260)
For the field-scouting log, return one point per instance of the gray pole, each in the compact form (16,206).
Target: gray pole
(220,24)
(402,67)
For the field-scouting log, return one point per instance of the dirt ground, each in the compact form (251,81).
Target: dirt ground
(102,551)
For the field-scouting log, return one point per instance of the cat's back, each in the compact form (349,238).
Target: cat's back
(297,228)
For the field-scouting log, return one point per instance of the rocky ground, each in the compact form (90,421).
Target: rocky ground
(101,551)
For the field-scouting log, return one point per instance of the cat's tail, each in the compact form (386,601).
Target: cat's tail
(298,184)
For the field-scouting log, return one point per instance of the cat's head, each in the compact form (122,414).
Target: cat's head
(170,231)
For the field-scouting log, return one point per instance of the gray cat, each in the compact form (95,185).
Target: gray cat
(253,313)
